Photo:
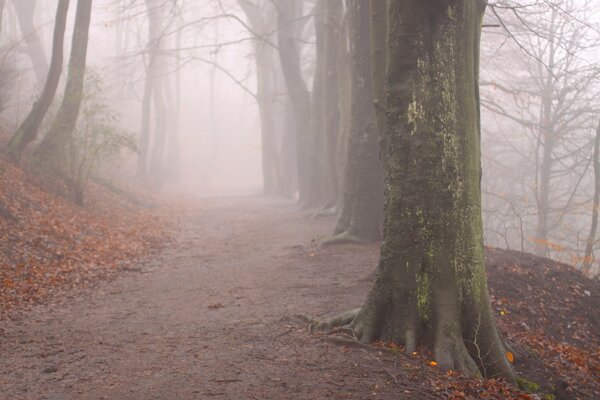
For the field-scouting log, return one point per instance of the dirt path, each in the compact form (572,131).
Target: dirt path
(209,319)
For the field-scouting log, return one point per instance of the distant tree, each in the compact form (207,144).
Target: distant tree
(588,258)
(28,129)
(362,192)
(431,283)
(56,139)
(333,39)
(288,14)
(277,177)
(25,10)
(547,96)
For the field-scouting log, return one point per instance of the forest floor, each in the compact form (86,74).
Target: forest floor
(214,316)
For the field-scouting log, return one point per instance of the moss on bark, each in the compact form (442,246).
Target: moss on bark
(431,285)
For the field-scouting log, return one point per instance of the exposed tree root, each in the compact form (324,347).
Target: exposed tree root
(340,320)
(357,330)
(343,238)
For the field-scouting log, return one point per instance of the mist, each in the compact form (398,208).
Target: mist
(275,198)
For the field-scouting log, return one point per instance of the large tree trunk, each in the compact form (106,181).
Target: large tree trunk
(431,285)
(289,55)
(25,11)
(66,118)
(362,203)
(28,129)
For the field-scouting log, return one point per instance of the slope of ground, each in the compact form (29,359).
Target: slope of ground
(214,316)
(48,244)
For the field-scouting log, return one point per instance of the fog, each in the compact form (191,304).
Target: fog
(272,199)
(206,57)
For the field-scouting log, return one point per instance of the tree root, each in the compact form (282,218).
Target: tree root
(340,320)
(343,238)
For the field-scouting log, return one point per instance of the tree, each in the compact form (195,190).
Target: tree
(277,178)
(331,100)
(431,285)
(547,99)
(28,129)
(360,215)
(66,119)
(25,11)
(289,56)
(153,90)
(588,258)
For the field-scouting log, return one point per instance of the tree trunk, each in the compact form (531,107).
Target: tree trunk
(273,161)
(145,162)
(2,4)
(25,10)
(331,100)
(547,141)
(289,55)
(317,180)
(379,58)
(431,284)
(362,204)
(144,139)
(66,118)
(588,258)
(28,130)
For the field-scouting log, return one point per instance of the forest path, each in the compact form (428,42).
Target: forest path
(210,318)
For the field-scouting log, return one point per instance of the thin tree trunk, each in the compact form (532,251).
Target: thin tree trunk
(379,57)
(289,55)
(28,129)
(2,4)
(331,106)
(272,164)
(317,180)
(150,86)
(144,139)
(173,155)
(25,10)
(547,140)
(66,118)
(588,258)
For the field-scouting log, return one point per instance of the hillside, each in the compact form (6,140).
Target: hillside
(222,266)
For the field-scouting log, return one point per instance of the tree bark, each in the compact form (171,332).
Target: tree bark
(379,25)
(2,4)
(25,11)
(547,141)
(152,90)
(431,284)
(331,100)
(66,118)
(316,197)
(289,55)
(588,258)
(362,203)
(28,129)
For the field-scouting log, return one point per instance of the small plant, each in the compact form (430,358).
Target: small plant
(97,138)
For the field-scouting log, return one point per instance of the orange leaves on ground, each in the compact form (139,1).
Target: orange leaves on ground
(48,243)
(510,357)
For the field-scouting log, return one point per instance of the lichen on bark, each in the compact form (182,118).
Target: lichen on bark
(431,286)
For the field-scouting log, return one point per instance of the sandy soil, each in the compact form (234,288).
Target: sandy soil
(212,317)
